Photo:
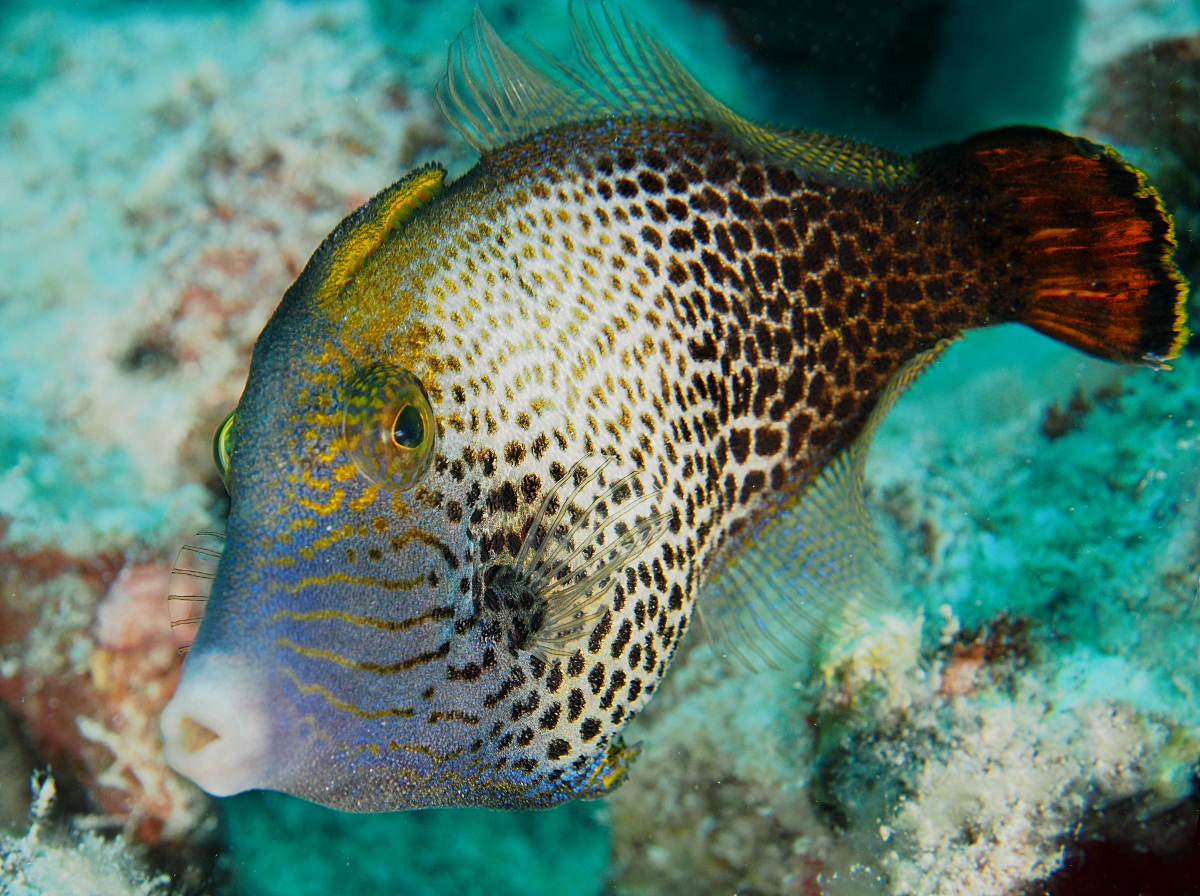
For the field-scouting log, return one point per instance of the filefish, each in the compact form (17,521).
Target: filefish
(506,439)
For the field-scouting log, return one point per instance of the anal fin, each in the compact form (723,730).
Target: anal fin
(796,570)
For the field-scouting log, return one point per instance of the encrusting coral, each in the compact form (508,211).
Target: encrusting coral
(51,861)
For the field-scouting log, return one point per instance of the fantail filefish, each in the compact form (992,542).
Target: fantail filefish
(504,436)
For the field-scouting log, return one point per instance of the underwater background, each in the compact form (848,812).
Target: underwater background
(1024,715)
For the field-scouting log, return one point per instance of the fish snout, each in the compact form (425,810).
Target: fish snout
(215,728)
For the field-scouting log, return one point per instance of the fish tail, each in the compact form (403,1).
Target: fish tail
(1094,244)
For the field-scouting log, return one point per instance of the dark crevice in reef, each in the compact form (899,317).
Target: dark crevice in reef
(1164,862)
(909,73)
(884,66)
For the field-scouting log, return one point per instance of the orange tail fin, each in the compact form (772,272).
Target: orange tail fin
(1098,245)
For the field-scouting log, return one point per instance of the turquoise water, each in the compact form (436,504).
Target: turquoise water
(280,845)
(164,171)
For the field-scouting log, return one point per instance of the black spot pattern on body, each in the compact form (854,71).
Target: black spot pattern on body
(575,665)
(596,678)
(575,705)
(555,679)
(549,719)
(557,749)
(755,318)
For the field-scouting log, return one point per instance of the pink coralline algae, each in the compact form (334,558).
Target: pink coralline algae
(89,696)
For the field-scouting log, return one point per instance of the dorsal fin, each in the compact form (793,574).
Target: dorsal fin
(801,566)
(494,97)
(351,243)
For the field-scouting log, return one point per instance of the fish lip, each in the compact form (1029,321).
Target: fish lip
(216,727)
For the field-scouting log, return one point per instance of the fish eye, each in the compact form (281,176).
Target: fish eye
(409,429)
(223,446)
(388,425)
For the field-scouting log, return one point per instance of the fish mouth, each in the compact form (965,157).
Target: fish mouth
(216,727)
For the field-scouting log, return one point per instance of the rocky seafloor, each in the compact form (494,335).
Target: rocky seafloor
(1023,712)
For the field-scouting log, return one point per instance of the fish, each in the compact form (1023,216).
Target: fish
(506,439)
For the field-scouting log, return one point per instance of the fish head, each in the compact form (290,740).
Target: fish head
(395,587)
(337,582)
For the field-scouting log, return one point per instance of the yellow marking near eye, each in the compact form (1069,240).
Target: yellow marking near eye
(330,453)
(344,472)
(437,614)
(325,418)
(395,206)
(301,522)
(365,500)
(313,482)
(332,538)
(420,659)
(399,505)
(402,712)
(341,578)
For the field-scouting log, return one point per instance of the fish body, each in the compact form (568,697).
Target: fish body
(502,435)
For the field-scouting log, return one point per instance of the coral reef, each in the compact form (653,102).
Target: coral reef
(155,212)
(884,67)
(16,767)
(50,861)
(86,672)
(909,73)
(1032,686)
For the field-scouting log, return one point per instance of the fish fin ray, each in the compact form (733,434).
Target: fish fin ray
(495,96)
(608,770)
(572,560)
(1096,243)
(806,565)
(492,95)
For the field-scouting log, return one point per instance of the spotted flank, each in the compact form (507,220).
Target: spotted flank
(507,439)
